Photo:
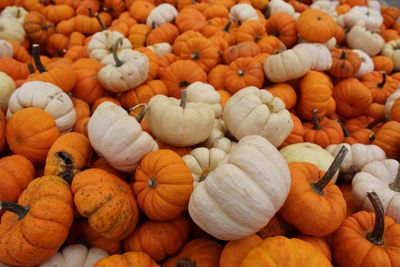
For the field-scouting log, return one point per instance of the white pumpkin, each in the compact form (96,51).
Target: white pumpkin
(6,49)
(11,29)
(328,7)
(320,55)
(160,49)
(76,255)
(218,137)
(7,87)
(392,49)
(161,14)
(390,101)
(280,6)
(48,97)
(16,13)
(367,41)
(367,65)
(103,42)
(253,111)
(201,161)
(363,16)
(311,153)
(374,4)
(118,137)
(240,196)
(357,157)
(178,122)
(241,12)
(205,93)
(130,71)
(287,65)
(382,177)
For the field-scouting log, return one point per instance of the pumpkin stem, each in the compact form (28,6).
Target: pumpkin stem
(344,128)
(275,33)
(375,122)
(153,24)
(316,124)
(195,55)
(228,26)
(102,26)
(183,99)
(18,12)
(267,12)
(31,68)
(14,207)
(395,186)
(68,167)
(139,117)
(186,262)
(36,58)
(324,181)
(118,61)
(152,182)
(108,9)
(183,84)
(90,12)
(372,137)
(343,55)
(384,77)
(376,235)
(241,72)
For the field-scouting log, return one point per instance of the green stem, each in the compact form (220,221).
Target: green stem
(379,227)
(14,207)
(183,99)
(316,124)
(118,61)
(36,58)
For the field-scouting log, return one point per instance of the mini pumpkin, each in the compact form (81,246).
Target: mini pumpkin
(135,258)
(380,84)
(346,63)
(365,40)
(314,21)
(101,44)
(234,251)
(282,26)
(391,50)
(205,93)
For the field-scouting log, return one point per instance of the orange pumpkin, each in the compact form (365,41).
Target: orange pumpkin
(234,251)
(362,135)
(37,28)
(135,258)
(190,19)
(2,131)
(388,138)
(57,44)
(167,33)
(19,52)
(217,76)
(285,92)
(250,30)
(57,13)
(345,63)
(390,15)
(244,49)
(153,60)
(222,27)
(348,196)
(81,126)
(143,93)
(140,10)
(283,26)
(315,26)
(383,63)
(320,243)
(270,45)
(13,68)
(380,84)
(297,133)
(138,34)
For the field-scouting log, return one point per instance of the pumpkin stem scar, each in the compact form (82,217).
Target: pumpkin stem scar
(152,182)
(344,128)
(183,99)
(139,117)
(377,233)
(68,167)
(183,84)
(375,122)
(382,84)
(395,186)
(118,61)
(372,137)
(102,26)
(90,12)
(18,13)
(21,211)
(324,181)
(195,55)
(186,262)
(343,55)
(316,124)
(36,58)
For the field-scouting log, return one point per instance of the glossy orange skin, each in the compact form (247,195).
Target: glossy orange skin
(283,26)
(316,26)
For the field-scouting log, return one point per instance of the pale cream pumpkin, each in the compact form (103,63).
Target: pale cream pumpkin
(363,16)
(16,13)
(160,49)
(240,196)
(102,44)
(11,29)
(219,137)
(161,14)
(241,12)
(118,137)
(76,255)
(280,6)
(48,97)
(367,41)
(382,177)
(367,65)
(6,49)
(329,7)
(390,102)
(7,87)
(287,65)
(321,59)
(311,153)
(253,111)
(178,122)
(392,49)
(205,93)
(374,4)
(201,161)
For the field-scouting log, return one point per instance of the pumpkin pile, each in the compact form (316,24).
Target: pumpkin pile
(199,133)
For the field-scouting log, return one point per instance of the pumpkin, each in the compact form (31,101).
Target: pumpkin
(13,68)
(162,192)
(48,97)
(312,82)
(367,239)
(35,142)
(391,50)
(275,227)
(98,193)
(68,155)
(37,28)
(390,15)
(204,93)
(125,71)
(282,26)
(169,237)
(312,21)
(321,58)
(91,24)
(216,76)
(57,13)
(161,14)
(309,186)
(269,45)
(383,63)
(222,192)
(180,130)
(140,10)
(17,171)
(219,137)
(310,153)
(366,17)
(11,29)
(387,138)
(138,33)
(367,63)
(44,207)
(320,243)
(251,30)
(221,27)
(14,12)
(143,93)
(202,160)
(76,255)
(285,92)
(190,19)
(280,6)
(380,84)
(6,89)
(281,251)
(360,38)
(242,12)
(287,65)
(352,98)
(346,63)
(234,251)
(361,135)
(323,132)
(3,123)
(244,49)
(109,123)
(102,43)
(135,258)
(200,252)
(253,111)
(297,133)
